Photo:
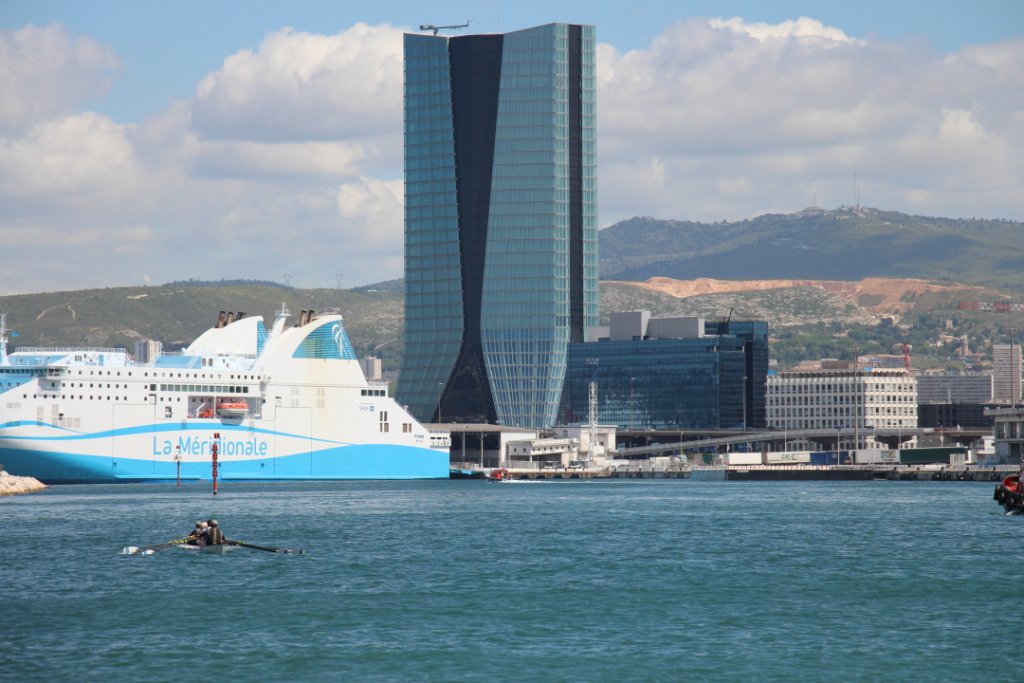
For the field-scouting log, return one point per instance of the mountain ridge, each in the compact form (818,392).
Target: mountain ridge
(848,243)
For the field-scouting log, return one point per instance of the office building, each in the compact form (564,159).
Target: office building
(850,398)
(669,373)
(500,221)
(372,369)
(1006,373)
(953,389)
(147,350)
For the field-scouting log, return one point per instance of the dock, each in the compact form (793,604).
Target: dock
(962,473)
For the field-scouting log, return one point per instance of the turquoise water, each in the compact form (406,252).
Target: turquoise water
(553,581)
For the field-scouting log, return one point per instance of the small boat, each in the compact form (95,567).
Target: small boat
(499,474)
(1010,494)
(219,549)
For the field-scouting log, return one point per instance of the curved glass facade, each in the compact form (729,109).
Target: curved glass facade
(516,258)
(433,289)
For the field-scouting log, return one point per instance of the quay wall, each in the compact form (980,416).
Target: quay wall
(782,473)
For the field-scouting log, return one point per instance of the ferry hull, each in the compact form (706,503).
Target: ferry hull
(137,457)
(350,462)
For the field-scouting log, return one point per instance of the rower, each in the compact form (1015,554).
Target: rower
(214,536)
(198,535)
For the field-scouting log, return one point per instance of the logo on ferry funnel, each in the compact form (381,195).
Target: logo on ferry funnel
(336,333)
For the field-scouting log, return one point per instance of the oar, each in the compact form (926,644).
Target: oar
(150,549)
(286,551)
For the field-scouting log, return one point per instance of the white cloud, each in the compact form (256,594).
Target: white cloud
(285,160)
(375,205)
(288,158)
(300,86)
(747,118)
(803,27)
(45,72)
(68,155)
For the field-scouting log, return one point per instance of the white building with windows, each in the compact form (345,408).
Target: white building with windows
(147,351)
(1006,373)
(371,366)
(841,399)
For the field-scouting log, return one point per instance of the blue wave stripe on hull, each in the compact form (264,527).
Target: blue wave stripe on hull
(367,461)
(157,428)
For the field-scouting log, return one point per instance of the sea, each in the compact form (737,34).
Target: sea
(469,580)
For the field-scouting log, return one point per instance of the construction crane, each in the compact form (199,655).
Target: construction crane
(435,29)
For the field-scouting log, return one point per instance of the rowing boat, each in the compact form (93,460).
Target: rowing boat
(219,549)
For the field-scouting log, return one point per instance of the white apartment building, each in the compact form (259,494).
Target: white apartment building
(371,366)
(147,350)
(838,399)
(1006,373)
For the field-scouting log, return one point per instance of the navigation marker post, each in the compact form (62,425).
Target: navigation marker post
(177,460)
(213,454)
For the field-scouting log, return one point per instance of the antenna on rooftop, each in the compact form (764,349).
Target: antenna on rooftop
(435,29)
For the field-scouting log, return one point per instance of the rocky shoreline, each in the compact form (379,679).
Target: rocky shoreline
(10,485)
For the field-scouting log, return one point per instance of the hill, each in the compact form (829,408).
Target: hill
(177,313)
(849,243)
(808,318)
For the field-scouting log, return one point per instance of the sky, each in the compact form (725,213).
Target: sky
(142,143)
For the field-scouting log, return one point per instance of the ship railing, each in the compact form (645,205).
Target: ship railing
(70,349)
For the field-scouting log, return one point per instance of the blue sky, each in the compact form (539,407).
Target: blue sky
(146,142)
(168,47)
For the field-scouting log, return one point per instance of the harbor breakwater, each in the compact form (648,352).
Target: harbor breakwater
(10,485)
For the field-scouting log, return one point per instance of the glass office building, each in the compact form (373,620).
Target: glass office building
(716,381)
(500,221)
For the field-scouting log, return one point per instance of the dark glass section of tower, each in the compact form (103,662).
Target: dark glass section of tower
(476,74)
(577,325)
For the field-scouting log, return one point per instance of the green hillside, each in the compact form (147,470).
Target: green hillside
(806,322)
(177,313)
(849,243)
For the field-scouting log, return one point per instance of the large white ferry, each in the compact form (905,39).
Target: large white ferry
(291,403)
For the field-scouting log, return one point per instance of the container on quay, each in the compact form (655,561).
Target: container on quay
(928,456)
(876,456)
(744,459)
(824,458)
(788,458)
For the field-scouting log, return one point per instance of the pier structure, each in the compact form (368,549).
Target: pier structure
(673,442)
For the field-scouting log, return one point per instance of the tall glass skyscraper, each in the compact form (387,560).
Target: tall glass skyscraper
(500,221)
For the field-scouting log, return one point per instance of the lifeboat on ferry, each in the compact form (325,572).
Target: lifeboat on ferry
(230,408)
(1010,494)
(499,474)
